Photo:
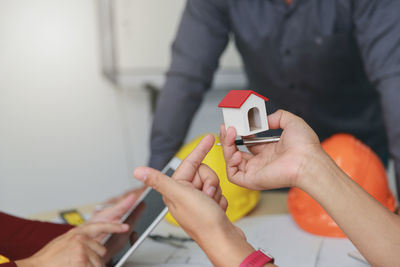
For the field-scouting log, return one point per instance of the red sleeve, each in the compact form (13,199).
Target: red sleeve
(20,238)
(8,264)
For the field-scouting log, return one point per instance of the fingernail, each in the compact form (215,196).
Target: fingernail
(211,191)
(125,227)
(141,174)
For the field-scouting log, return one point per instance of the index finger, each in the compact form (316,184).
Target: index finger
(187,169)
(117,210)
(166,186)
(94,229)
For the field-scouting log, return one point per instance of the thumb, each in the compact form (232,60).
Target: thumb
(158,181)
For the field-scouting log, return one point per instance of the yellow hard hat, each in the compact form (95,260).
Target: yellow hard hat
(240,200)
(3,259)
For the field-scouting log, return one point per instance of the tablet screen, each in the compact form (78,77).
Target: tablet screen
(139,220)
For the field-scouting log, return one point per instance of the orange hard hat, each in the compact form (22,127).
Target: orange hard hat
(360,163)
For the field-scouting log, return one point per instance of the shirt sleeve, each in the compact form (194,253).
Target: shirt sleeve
(21,238)
(8,264)
(378,34)
(201,38)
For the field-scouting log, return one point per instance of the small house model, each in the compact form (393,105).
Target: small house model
(245,110)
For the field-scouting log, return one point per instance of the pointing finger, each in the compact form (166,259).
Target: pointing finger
(94,229)
(120,208)
(166,186)
(191,163)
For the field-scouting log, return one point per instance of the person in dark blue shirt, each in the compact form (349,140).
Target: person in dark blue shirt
(335,63)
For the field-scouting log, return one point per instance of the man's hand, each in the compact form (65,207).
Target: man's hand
(272,165)
(77,247)
(112,213)
(136,191)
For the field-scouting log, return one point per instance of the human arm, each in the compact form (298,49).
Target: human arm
(378,36)
(298,160)
(201,38)
(78,247)
(198,208)
(20,238)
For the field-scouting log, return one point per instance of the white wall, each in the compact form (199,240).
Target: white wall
(144,31)
(65,132)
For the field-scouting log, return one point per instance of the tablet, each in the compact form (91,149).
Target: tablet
(142,218)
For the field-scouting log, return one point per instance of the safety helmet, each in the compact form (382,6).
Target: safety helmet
(3,259)
(240,200)
(360,163)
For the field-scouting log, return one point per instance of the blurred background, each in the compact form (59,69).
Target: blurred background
(78,82)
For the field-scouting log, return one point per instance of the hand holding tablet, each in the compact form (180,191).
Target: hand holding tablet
(142,217)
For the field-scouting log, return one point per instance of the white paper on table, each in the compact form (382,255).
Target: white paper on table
(277,234)
(156,254)
(335,252)
(357,255)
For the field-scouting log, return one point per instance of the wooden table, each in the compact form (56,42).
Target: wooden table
(271,202)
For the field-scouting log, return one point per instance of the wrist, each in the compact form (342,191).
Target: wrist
(259,258)
(316,174)
(226,246)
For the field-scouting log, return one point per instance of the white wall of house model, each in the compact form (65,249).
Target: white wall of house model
(250,118)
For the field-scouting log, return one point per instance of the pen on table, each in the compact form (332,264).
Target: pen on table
(171,240)
(256,141)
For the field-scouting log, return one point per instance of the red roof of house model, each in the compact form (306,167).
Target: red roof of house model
(236,98)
